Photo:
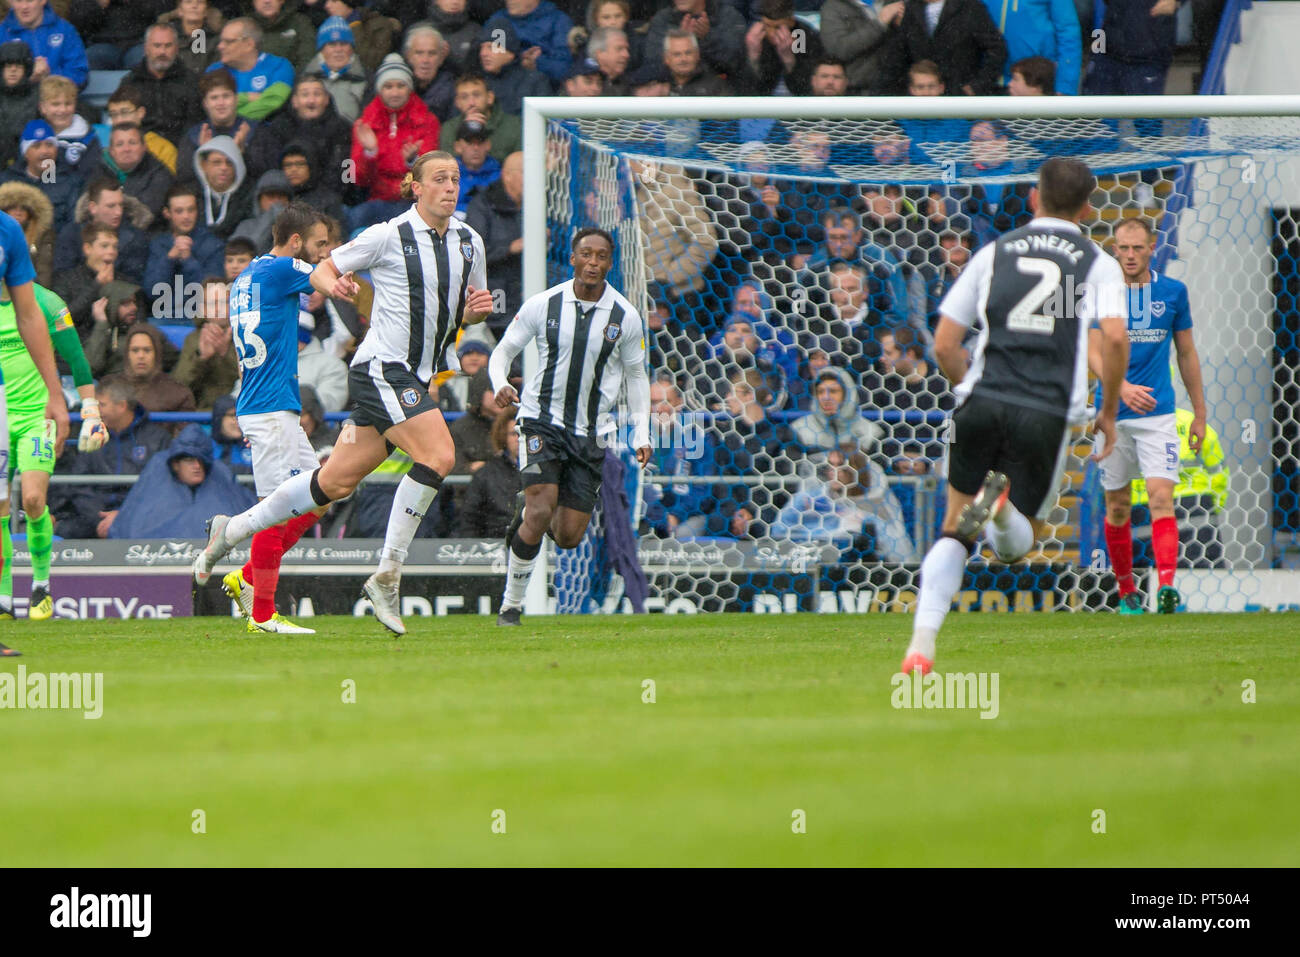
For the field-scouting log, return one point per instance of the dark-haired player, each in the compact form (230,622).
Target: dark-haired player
(1032,295)
(264,305)
(590,340)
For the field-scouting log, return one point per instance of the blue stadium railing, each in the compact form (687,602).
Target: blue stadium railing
(1212,83)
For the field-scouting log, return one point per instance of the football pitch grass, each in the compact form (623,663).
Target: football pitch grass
(754,719)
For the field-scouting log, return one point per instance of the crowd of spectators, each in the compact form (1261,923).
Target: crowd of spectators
(794,313)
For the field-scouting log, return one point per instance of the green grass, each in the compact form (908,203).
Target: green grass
(755,716)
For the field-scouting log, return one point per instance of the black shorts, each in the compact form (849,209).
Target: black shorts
(551,456)
(1029,445)
(386,394)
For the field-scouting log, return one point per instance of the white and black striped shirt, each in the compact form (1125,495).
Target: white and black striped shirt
(420,281)
(585,353)
(1031,296)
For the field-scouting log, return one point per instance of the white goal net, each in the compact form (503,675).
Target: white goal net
(765,249)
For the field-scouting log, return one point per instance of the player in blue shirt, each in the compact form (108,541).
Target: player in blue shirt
(264,305)
(18,273)
(1147,444)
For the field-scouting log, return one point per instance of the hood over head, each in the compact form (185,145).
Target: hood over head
(219,409)
(40,212)
(848,410)
(226,146)
(192,441)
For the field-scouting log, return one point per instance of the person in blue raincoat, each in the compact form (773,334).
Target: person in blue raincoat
(179,490)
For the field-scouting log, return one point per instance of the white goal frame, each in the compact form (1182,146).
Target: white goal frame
(538,111)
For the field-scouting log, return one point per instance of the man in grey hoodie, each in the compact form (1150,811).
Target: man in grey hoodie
(835,421)
(227,196)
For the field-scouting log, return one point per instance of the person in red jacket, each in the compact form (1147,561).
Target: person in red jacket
(394,129)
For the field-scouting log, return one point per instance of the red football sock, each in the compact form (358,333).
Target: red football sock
(290,537)
(268,546)
(1119,542)
(1164,542)
(296,528)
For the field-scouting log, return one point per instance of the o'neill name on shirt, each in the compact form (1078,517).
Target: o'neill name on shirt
(1041,243)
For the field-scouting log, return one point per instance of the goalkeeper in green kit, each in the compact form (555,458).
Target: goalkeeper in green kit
(32,438)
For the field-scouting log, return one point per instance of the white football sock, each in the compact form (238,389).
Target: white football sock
(291,499)
(410,505)
(940,578)
(518,573)
(1010,535)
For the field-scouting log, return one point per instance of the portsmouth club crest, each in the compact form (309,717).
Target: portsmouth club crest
(611,331)
(467,250)
(534,444)
(410,397)
(1157,307)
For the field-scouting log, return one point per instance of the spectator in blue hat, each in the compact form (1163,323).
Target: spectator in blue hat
(339,68)
(55,44)
(37,158)
(373,32)
(498,52)
(584,79)
(651,78)
(472,355)
(479,169)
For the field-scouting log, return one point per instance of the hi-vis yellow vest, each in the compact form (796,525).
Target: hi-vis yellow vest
(1203,474)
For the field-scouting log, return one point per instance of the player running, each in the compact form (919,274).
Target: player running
(589,341)
(19,275)
(1148,446)
(429,271)
(31,439)
(1036,291)
(264,304)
